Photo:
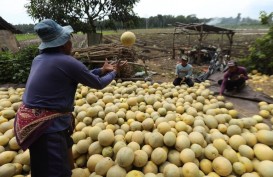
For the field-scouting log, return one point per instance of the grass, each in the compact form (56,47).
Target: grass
(24,37)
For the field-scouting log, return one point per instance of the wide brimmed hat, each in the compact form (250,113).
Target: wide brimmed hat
(52,34)
(184,57)
(231,63)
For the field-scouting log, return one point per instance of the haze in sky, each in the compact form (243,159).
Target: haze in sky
(13,11)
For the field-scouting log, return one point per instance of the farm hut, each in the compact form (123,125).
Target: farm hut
(199,37)
(8,41)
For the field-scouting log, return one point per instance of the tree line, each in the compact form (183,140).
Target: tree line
(159,21)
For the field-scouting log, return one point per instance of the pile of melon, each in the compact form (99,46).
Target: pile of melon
(260,82)
(144,129)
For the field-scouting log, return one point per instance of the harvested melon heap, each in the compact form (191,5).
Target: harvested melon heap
(143,129)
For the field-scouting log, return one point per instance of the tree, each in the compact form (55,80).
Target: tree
(25,28)
(83,15)
(261,54)
(266,18)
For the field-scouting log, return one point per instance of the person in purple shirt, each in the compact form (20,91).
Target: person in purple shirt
(234,78)
(44,121)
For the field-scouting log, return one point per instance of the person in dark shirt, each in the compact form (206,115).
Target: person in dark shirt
(44,121)
(234,78)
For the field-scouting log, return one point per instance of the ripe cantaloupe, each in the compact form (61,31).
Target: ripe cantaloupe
(106,137)
(206,166)
(7,156)
(92,162)
(169,139)
(222,166)
(171,170)
(187,155)
(125,157)
(190,169)
(8,170)
(263,152)
(159,156)
(140,158)
(265,168)
(134,173)
(265,137)
(103,166)
(116,171)
(128,38)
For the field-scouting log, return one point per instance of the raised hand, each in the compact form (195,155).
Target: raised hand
(119,65)
(107,67)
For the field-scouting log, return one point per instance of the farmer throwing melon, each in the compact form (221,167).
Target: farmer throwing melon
(44,121)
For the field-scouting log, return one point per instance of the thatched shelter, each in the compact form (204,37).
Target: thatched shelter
(8,41)
(198,36)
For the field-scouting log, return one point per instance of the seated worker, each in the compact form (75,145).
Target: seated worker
(183,72)
(234,78)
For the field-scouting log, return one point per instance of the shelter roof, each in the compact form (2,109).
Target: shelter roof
(4,25)
(202,28)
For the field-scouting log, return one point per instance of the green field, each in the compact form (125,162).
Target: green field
(24,37)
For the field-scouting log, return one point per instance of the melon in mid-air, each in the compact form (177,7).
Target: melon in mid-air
(128,38)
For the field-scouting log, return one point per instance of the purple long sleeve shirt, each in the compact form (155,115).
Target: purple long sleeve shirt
(229,75)
(53,81)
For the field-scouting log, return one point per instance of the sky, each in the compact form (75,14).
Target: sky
(13,11)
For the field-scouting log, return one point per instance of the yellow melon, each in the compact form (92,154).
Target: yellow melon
(246,151)
(187,155)
(116,171)
(163,127)
(206,166)
(132,101)
(190,169)
(220,145)
(140,158)
(111,118)
(182,142)
(263,152)
(173,157)
(247,163)
(159,156)
(250,138)
(134,173)
(8,169)
(235,141)
(239,168)
(265,168)
(92,162)
(265,137)
(169,139)
(171,170)
(150,167)
(125,157)
(231,155)
(196,138)
(156,139)
(128,38)
(222,166)
(211,152)
(264,113)
(106,137)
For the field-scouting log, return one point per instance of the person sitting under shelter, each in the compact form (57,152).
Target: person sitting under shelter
(234,78)
(183,72)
